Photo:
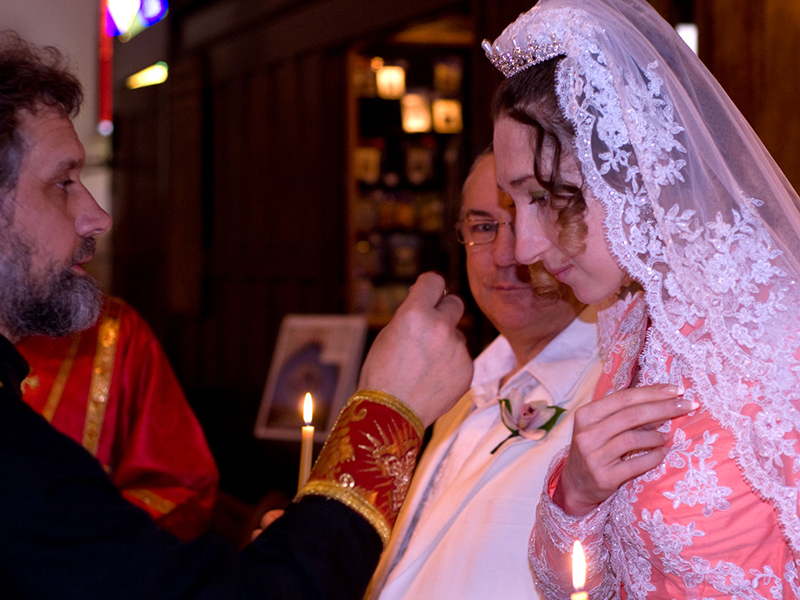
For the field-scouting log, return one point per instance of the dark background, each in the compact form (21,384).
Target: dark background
(230,179)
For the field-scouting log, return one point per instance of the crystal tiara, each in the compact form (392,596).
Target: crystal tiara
(519,59)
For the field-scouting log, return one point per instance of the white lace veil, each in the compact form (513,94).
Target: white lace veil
(697,211)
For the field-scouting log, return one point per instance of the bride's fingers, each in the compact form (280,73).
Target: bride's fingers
(613,404)
(638,464)
(649,415)
(632,442)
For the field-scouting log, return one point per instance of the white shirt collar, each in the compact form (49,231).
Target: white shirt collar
(557,367)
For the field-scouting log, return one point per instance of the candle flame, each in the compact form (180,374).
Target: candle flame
(308,409)
(578,566)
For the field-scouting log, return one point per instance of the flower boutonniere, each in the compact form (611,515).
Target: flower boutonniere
(534,420)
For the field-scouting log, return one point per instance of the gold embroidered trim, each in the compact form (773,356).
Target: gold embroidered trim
(54,397)
(152,500)
(395,404)
(349,497)
(102,370)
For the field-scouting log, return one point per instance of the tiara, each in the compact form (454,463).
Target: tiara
(519,59)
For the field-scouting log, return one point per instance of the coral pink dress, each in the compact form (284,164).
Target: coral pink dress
(690,528)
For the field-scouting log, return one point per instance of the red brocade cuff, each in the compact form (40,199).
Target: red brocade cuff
(369,458)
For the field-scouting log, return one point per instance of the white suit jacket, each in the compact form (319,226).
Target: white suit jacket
(471,539)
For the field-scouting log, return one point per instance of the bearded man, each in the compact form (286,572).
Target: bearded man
(65,531)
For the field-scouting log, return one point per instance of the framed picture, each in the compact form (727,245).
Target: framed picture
(316,354)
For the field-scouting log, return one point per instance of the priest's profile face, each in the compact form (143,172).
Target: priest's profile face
(48,223)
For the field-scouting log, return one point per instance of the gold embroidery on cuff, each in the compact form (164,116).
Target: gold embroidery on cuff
(369,458)
(395,404)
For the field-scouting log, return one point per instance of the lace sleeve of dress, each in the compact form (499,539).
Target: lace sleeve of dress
(369,457)
(550,548)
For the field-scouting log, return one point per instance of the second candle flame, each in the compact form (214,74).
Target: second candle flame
(578,566)
(308,409)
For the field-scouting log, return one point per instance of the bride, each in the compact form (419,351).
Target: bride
(637,182)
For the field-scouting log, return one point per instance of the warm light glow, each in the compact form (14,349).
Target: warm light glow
(415,111)
(152,75)
(123,12)
(578,566)
(391,82)
(308,409)
(447,116)
(689,34)
(376,63)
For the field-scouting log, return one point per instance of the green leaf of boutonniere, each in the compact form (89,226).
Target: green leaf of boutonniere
(533,422)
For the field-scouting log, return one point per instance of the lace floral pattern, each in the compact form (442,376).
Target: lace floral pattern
(557,530)
(695,238)
(649,534)
(624,341)
(699,485)
(724,275)
(697,212)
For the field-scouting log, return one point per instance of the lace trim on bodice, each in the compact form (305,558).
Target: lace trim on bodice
(718,287)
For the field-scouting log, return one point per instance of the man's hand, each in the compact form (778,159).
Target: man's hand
(420,357)
(268,519)
(615,439)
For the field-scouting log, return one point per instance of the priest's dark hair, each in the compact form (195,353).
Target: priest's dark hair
(29,78)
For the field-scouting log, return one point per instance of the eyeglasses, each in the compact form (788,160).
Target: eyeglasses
(474,232)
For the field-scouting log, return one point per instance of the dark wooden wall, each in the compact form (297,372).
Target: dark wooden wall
(752,49)
(230,187)
(229,179)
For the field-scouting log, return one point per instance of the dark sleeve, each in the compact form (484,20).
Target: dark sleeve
(65,532)
(318,549)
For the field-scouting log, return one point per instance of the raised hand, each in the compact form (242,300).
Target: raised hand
(420,356)
(614,440)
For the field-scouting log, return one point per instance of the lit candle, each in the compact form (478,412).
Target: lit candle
(307,443)
(578,572)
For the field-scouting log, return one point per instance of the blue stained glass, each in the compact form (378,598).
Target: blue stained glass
(152,11)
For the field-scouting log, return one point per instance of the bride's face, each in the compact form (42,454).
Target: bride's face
(594,274)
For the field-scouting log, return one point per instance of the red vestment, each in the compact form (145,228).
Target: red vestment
(111,389)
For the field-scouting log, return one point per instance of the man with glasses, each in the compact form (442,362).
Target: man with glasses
(463,532)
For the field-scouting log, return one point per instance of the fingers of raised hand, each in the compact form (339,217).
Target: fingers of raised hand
(451,307)
(590,478)
(427,290)
(608,480)
(631,442)
(637,464)
(635,407)
(613,403)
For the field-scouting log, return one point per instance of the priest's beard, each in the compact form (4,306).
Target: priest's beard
(56,302)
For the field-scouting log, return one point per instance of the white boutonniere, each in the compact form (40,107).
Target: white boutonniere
(532,422)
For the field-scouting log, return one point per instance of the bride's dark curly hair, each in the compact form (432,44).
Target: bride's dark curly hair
(530,98)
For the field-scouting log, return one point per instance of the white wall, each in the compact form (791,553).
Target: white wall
(71,26)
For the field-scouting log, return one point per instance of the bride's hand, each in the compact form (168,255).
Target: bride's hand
(615,439)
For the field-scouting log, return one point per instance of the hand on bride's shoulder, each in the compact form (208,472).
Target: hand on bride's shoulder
(615,439)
